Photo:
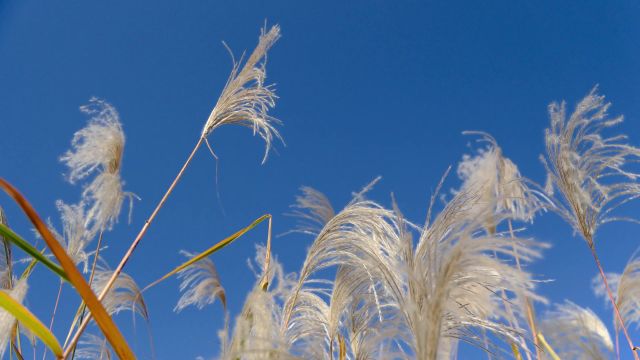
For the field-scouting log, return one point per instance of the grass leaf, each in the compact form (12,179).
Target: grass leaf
(211,250)
(100,315)
(31,322)
(33,252)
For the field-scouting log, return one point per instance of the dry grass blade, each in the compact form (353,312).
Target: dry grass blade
(210,250)
(100,315)
(343,348)
(548,347)
(27,319)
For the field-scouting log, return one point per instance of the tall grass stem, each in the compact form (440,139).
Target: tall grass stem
(613,301)
(133,246)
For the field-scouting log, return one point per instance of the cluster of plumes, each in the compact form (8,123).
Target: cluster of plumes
(395,297)
(97,151)
(586,167)
(392,297)
(245,99)
(577,333)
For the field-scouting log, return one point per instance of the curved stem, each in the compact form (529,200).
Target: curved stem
(133,246)
(613,301)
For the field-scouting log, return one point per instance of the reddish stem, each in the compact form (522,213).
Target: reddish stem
(613,302)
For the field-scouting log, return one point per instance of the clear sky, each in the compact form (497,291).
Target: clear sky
(366,88)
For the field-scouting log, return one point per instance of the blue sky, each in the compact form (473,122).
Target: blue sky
(366,88)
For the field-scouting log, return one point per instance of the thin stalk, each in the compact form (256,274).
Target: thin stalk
(93,272)
(133,246)
(592,247)
(531,320)
(617,342)
(53,316)
(95,258)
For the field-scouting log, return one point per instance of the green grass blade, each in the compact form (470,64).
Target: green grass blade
(31,322)
(33,252)
(211,250)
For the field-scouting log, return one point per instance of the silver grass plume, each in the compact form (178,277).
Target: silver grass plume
(456,278)
(503,193)
(498,182)
(94,347)
(422,289)
(7,321)
(626,289)
(75,236)
(586,167)
(245,99)
(313,209)
(125,295)
(256,334)
(97,149)
(200,284)
(590,172)
(577,333)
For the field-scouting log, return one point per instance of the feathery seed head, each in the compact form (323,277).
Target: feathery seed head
(577,333)
(200,284)
(245,99)
(123,295)
(98,146)
(97,149)
(313,209)
(93,347)
(586,167)
(75,236)
(497,181)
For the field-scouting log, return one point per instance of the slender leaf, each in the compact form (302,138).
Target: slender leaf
(31,322)
(211,250)
(516,351)
(33,252)
(16,351)
(100,315)
(548,347)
